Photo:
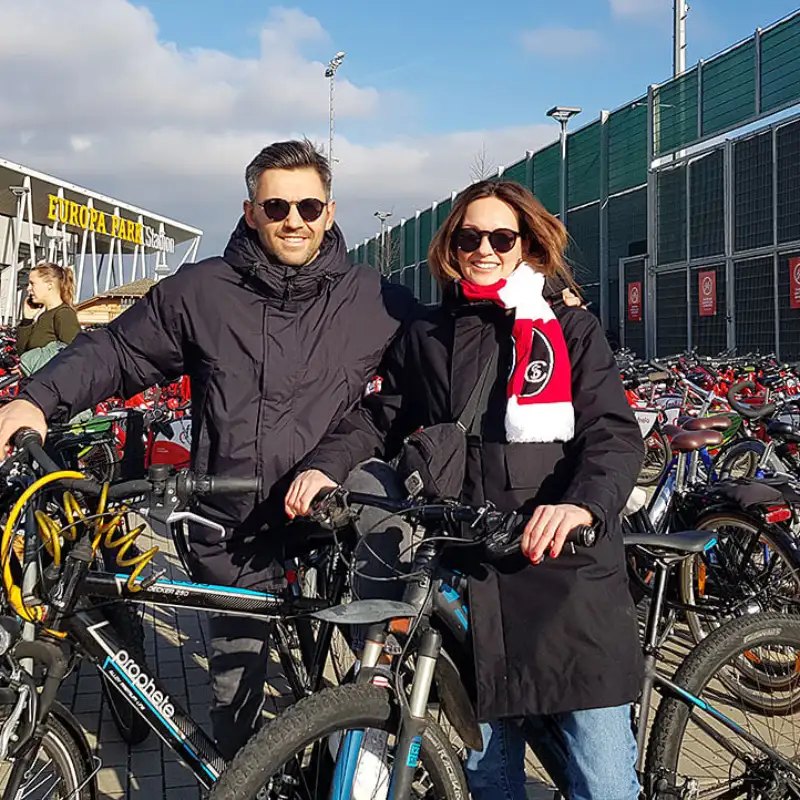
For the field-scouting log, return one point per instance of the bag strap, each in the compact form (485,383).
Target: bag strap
(470,418)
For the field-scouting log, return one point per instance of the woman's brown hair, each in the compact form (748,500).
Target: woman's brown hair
(61,276)
(544,237)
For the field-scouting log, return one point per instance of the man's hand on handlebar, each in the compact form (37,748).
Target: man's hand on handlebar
(16,415)
(305,487)
(549,526)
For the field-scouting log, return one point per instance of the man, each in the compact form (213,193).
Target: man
(278,337)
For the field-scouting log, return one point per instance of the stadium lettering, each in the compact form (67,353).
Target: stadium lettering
(68,212)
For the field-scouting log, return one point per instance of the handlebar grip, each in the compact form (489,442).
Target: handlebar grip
(580,536)
(228,485)
(29,440)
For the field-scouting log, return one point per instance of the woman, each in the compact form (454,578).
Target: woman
(556,651)
(49,321)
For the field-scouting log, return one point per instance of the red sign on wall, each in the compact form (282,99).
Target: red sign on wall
(635,302)
(707,282)
(794,282)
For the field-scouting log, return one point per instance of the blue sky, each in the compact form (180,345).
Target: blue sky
(162,103)
(467,64)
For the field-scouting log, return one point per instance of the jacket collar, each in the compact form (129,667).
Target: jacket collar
(281,284)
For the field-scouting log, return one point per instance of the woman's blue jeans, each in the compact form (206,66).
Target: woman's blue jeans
(590,755)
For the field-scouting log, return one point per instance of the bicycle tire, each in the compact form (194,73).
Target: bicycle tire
(700,626)
(697,671)
(663,456)
(354,706)
(127,624)
(61,746)
(741,459)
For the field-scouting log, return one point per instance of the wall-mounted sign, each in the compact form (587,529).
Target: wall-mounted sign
(794,283)
(635,302)
(68,212)
(707,286)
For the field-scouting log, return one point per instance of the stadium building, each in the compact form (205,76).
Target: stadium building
(107,242)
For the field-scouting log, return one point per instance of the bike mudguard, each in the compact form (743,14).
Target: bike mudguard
(68,720)
(366,612)
(455,702)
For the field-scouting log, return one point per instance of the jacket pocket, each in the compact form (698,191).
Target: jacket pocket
(529,465)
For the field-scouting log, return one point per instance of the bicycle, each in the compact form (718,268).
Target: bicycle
(67,617)
(295,748)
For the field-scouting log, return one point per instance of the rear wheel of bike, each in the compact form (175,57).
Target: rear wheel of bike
(657,455)
(691,749)
(59,770)
(725,585)
(292,756)
(100,461)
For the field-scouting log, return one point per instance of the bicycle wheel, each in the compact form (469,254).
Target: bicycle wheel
(698,754)
(741,460)
(100,461)
(59,771)
(291,756)
(727,587)
(658,454)
(128,625)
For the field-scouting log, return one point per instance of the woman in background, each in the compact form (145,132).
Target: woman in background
(48,317)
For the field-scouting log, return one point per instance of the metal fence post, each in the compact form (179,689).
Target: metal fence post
(730,277)
(651,261)
(603,221)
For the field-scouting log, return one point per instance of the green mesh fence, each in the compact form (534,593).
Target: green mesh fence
(707,205)
(627,147)
(372,253)
(780,65)
(583,251)
(675,113)
(425,233)
(729,89)
(671,209)
(442,210)
(547,177)
(788,147)
(410,240)
(395,254)
(518,172)
(583,166)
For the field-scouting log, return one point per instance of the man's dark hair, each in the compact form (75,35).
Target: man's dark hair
(288,155)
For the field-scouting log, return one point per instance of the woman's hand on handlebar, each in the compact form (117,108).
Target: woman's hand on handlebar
(549,527)
(305,487)
(16,415)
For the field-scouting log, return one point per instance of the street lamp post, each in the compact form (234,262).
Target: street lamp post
(330,73)
(382,259)
(563,114)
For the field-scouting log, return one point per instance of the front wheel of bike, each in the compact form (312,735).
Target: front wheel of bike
(59,770)
(293,755)
(691,752)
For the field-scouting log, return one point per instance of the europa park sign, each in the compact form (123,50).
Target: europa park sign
(68,212)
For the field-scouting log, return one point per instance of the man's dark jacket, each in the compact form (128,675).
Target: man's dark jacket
(276,356)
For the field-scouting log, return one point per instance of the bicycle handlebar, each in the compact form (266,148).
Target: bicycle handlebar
(500,532)
(186,484)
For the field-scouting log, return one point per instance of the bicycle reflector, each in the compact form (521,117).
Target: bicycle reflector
(777,514)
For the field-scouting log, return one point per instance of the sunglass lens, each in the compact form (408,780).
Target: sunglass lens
(310,208)
(502,240)
(468,240)
(276,209)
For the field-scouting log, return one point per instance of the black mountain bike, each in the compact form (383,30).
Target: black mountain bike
(70,622)
(377,733)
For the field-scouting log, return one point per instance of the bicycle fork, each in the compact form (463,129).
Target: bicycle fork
(413,718)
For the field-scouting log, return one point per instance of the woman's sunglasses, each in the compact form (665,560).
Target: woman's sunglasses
(502,240)
(277,209)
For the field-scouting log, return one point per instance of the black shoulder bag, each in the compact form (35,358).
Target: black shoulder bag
(433,460)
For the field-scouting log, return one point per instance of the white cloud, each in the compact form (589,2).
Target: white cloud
(561,42)
(640,8)
(95,97)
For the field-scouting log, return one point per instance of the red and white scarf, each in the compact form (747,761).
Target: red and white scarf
(539,407)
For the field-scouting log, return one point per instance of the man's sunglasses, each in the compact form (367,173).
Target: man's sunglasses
(502,240)
(277,209)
